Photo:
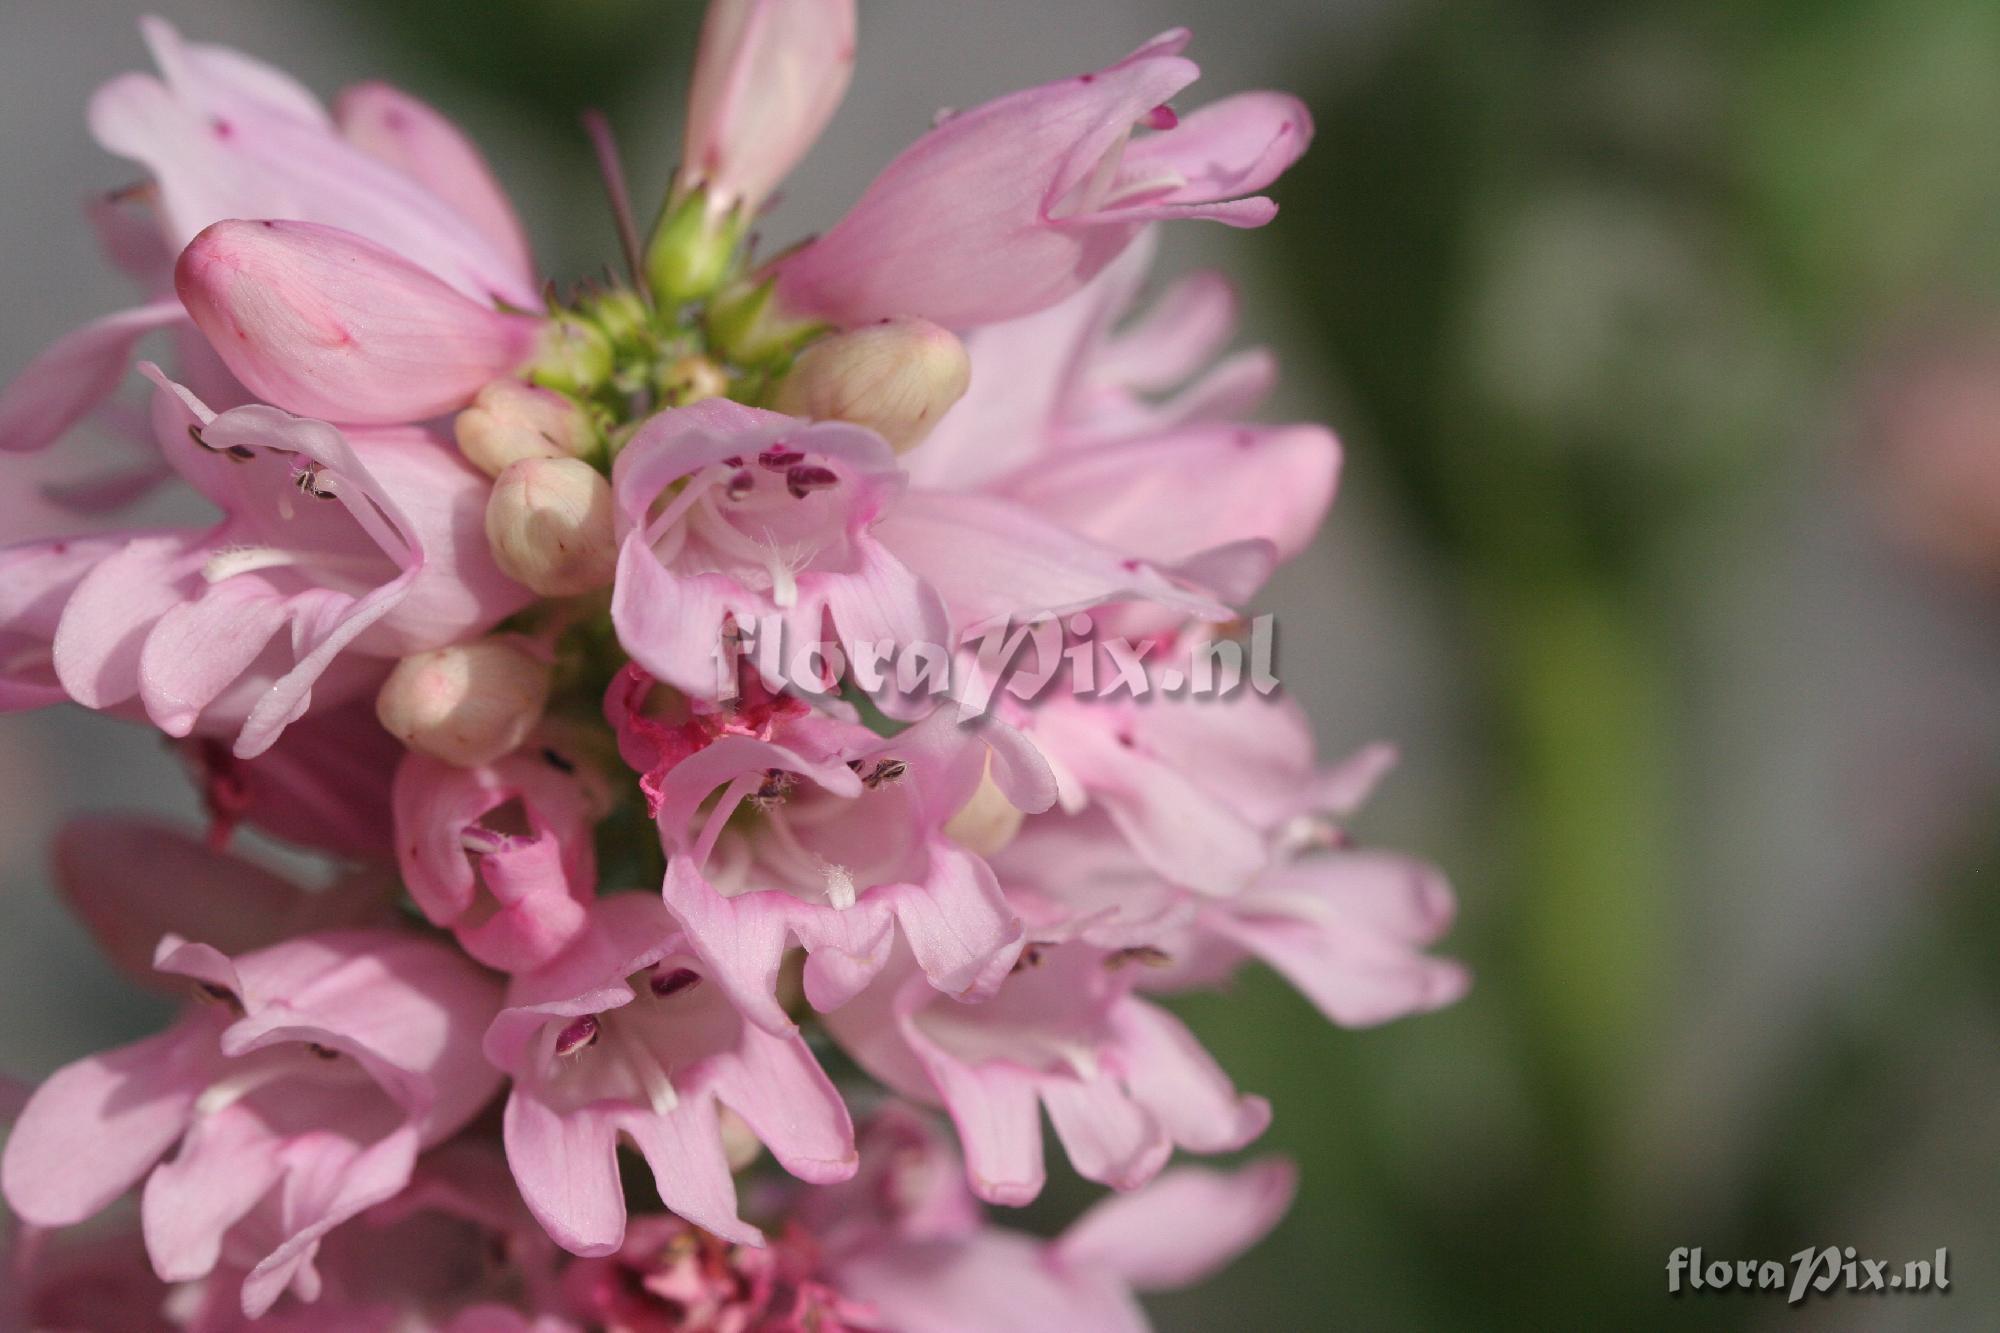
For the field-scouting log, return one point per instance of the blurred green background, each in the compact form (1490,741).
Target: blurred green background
(1664,338)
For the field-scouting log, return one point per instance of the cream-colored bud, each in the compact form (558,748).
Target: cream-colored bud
(898,378)
(987,822)
(467,704)
(549,523)
(511,420)
(692,379)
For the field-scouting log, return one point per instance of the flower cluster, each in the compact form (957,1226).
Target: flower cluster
(548,1049)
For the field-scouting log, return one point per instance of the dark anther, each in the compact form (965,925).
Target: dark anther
(803,481)
(556,761)
(773,790)
(778,457)
(679,979)
(1145,955)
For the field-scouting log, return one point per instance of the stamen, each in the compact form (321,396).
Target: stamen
(1143,954)
(674,982)
(1160,118)
(598,126)
(801,481)
(739,485)
(244,560)
(779,457)
(577,1034)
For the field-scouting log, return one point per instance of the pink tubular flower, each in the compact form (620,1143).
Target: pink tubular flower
(323,784)
(369,542)
(1063,423)
(298,1102)
(619,1035)
(1347,926)
(902,1240)
(502,854)
(767,77)
(132,882)
(225,136)
(843,850)
(1122,1080)
(773,518)
(322,322)
(1008,208)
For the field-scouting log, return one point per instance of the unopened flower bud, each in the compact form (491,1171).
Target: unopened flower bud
(572,356)
(987,822)
(691,380)
(512,420)
(549,523)
(690,255)
(467,704)
(898,378)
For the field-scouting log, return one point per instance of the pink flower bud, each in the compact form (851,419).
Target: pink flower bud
(549,523)
(323,323)
(512,420)
(467,704)
(767,78)
(897,377)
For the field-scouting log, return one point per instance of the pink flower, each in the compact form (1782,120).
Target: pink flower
(502,854)
(845,852)
(669,1275)
(1122,1080)
(1063,421)
(133,882)
(323,784)
(767,77)
(369,542)
(902,1240)
(1348,926)
(1010,207)
(299,1101)
(619,1035)
(773,517)
(225,136)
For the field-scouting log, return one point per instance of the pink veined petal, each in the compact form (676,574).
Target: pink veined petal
(199,647)
(326,1182)
(1183,329)
(1348,930)
(567,1170)
(1165,499)
(61,386)
(224,80)
(672,623)
(956,921)
(998,1117)
(1226,149)
(690,1169)
(768,75)
(992,558)
(742,940)
(222,146)
(1109,1138)
(789,1103)
(1177,826)
(103,630)
(226,1163)
(881,602)
(1166,1071)
(95,1127)
(958,229)
(327,324)
(413,137)
(996,1282)
(132,881)
(1182,1228)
